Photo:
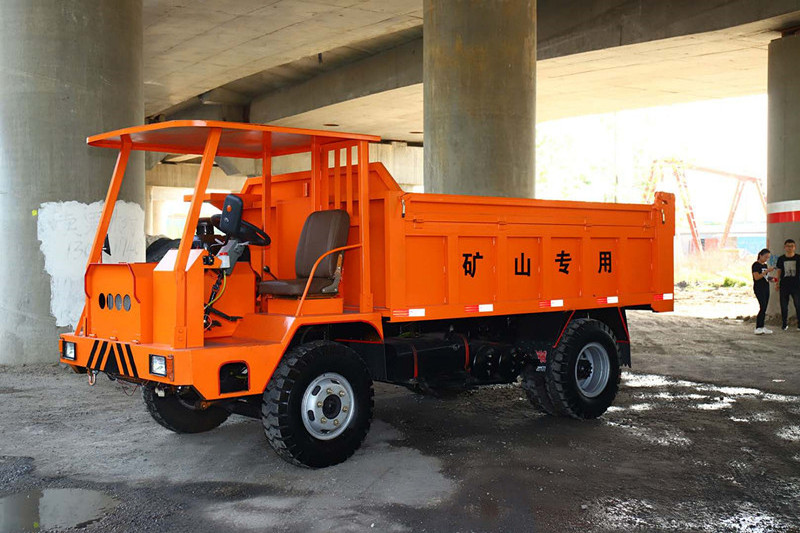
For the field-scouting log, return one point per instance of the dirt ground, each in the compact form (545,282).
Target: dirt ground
(704,436)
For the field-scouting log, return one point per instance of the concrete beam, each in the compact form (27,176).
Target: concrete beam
(206,110)
(184,176)
(397,67)
(565,27)
(569,27)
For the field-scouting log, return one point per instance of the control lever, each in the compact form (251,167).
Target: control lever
(268,271)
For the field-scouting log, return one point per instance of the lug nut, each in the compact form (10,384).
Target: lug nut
(323,420)
(335,422)
(329,391)
(345,408)
(319,404)
(341,393)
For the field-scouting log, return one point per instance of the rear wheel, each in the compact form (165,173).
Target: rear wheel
(318,405)
(535,387)
(176,413)
(583,375)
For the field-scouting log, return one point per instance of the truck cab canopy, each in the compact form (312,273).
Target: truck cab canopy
(338,179)
(237,139)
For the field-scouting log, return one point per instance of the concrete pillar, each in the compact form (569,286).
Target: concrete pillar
(783,156)
(479,79)
(70,69)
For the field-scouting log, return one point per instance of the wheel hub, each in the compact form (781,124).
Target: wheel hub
(584,369)
(328,406)
(592,370)
(332,406)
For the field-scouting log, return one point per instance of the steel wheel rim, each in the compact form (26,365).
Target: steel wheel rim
(328,406)
(592,369)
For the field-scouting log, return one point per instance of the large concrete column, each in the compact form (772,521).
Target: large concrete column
(783,155)
(70,69)
(479,77)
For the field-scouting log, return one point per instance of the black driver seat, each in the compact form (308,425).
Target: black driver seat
(322,232)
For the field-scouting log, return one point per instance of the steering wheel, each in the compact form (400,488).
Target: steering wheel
(247,232)
(253,234)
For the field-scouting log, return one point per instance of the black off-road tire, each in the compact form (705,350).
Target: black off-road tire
(535,387)
(175,416)
(562,386)
(281,409)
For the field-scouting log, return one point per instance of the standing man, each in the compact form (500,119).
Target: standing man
(788,282)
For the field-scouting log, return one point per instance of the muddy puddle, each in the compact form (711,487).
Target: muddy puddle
(43,510)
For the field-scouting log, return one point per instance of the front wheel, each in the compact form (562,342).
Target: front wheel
(176,413)
(583,374)
(317,408)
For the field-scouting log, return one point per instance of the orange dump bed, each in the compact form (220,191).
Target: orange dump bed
(442,256)
(460,256)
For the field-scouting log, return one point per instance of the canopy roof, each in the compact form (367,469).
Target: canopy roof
(238,139)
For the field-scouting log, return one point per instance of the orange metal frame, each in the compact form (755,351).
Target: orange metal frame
(679,169)
(409,257)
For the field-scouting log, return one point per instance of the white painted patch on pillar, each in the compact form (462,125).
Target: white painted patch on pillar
(66,231)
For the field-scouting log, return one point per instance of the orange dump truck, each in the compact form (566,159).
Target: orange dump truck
(309,286)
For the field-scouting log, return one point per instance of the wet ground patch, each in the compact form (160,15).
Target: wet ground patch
(51,508)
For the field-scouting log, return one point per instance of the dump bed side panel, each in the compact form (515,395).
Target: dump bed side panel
(457,256)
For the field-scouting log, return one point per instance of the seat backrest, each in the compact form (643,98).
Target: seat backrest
(231,217)
(322,232)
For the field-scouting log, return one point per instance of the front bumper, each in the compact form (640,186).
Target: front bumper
(119,359)
(195,367)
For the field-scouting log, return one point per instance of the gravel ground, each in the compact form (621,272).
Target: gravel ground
(704,436)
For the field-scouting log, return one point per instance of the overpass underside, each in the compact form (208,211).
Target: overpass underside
(720,64)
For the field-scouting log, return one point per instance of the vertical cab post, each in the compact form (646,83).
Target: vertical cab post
(365,301)
(95,253)
(266,189)
(203,175)
(316,174)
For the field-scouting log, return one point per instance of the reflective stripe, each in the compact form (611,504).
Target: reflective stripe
(131,361)
(124,368)
(551,303)
(418,312)
(783,207)
(91,356)
(99,363)
(788,216)
(786,211)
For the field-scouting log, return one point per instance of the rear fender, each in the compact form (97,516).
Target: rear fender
(614,318)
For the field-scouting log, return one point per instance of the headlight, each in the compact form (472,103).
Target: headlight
(158,365)
(69,351)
